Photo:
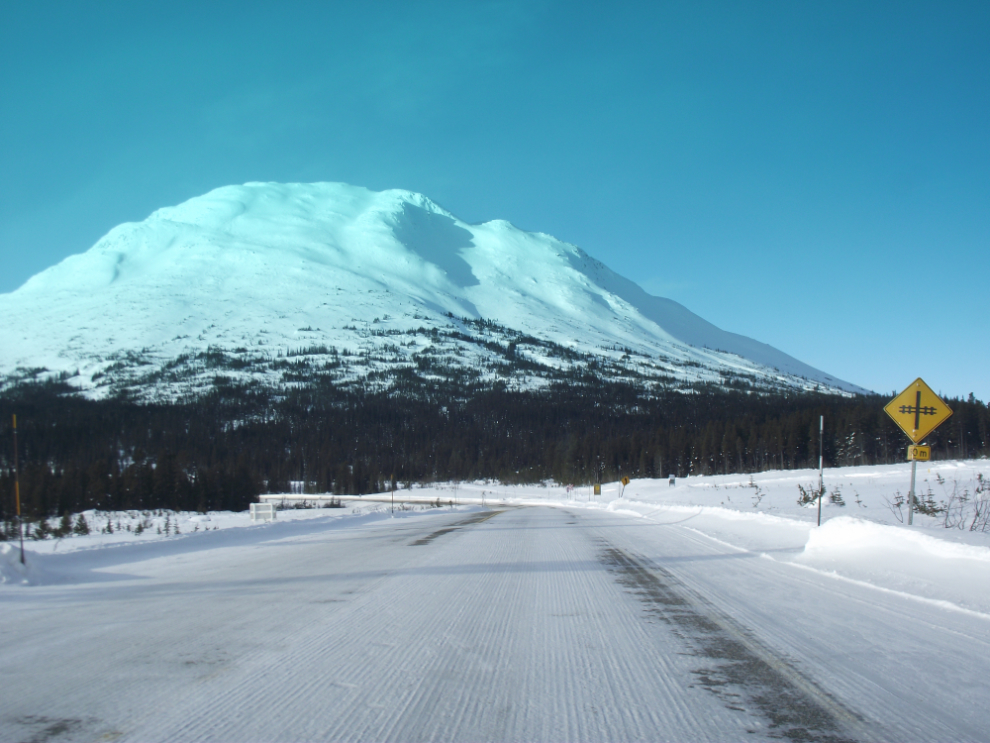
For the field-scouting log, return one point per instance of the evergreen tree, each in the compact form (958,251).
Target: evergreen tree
(41,530)
(115,455)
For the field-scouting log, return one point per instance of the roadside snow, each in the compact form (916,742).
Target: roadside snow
(955,575)
(79,559)
(12,571)
(862,537)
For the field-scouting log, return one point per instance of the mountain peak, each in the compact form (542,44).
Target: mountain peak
(249,271)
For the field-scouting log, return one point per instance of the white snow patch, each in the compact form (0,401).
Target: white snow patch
(12,572)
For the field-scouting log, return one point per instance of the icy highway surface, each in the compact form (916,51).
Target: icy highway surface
(511,624)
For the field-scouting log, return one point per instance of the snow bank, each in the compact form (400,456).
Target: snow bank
(845,534)
(12,572)
(903,560)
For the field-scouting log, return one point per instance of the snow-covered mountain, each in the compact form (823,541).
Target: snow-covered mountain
(284,283)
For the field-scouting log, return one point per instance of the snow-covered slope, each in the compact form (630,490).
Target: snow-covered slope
(282,282)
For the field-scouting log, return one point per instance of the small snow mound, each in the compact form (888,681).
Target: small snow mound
(12,572)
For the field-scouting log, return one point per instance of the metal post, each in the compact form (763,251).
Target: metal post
(821,466)
(17,493)
(393,494)
(914,468)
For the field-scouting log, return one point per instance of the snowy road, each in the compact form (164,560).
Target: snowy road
(517,624)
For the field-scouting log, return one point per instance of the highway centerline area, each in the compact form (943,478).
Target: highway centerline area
(531,624)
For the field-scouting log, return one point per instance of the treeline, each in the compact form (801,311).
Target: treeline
(221,451)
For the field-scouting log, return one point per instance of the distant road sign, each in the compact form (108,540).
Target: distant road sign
(918,410)
(919,453)
(625,481)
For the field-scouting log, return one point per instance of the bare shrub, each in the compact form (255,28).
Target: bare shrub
(895,505)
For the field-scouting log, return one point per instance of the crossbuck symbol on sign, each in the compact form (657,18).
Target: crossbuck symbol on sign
(918,410)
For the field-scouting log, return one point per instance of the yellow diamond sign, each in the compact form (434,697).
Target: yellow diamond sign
(918,410)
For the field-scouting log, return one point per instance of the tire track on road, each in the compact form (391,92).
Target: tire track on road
(840,634)
(470,521)
(743,674)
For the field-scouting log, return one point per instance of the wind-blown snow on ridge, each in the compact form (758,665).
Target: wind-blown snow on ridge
(352,282)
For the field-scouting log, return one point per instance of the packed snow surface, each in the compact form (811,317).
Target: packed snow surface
(713,609)
(251,274)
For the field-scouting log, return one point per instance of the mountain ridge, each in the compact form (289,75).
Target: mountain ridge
(230,285)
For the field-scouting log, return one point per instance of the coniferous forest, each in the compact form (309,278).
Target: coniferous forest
(222,450)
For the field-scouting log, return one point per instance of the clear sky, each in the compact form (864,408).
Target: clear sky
(812,175)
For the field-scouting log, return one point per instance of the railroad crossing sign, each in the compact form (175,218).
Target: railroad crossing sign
(918,410)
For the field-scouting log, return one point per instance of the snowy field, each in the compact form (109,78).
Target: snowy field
(713,609)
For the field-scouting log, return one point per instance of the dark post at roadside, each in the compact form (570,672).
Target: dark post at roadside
(821,466)
(17,493)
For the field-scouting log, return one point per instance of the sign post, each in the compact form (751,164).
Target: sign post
(918,411)
(821,466)
(17,493)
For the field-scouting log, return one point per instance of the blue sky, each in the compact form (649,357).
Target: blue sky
(813,175)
